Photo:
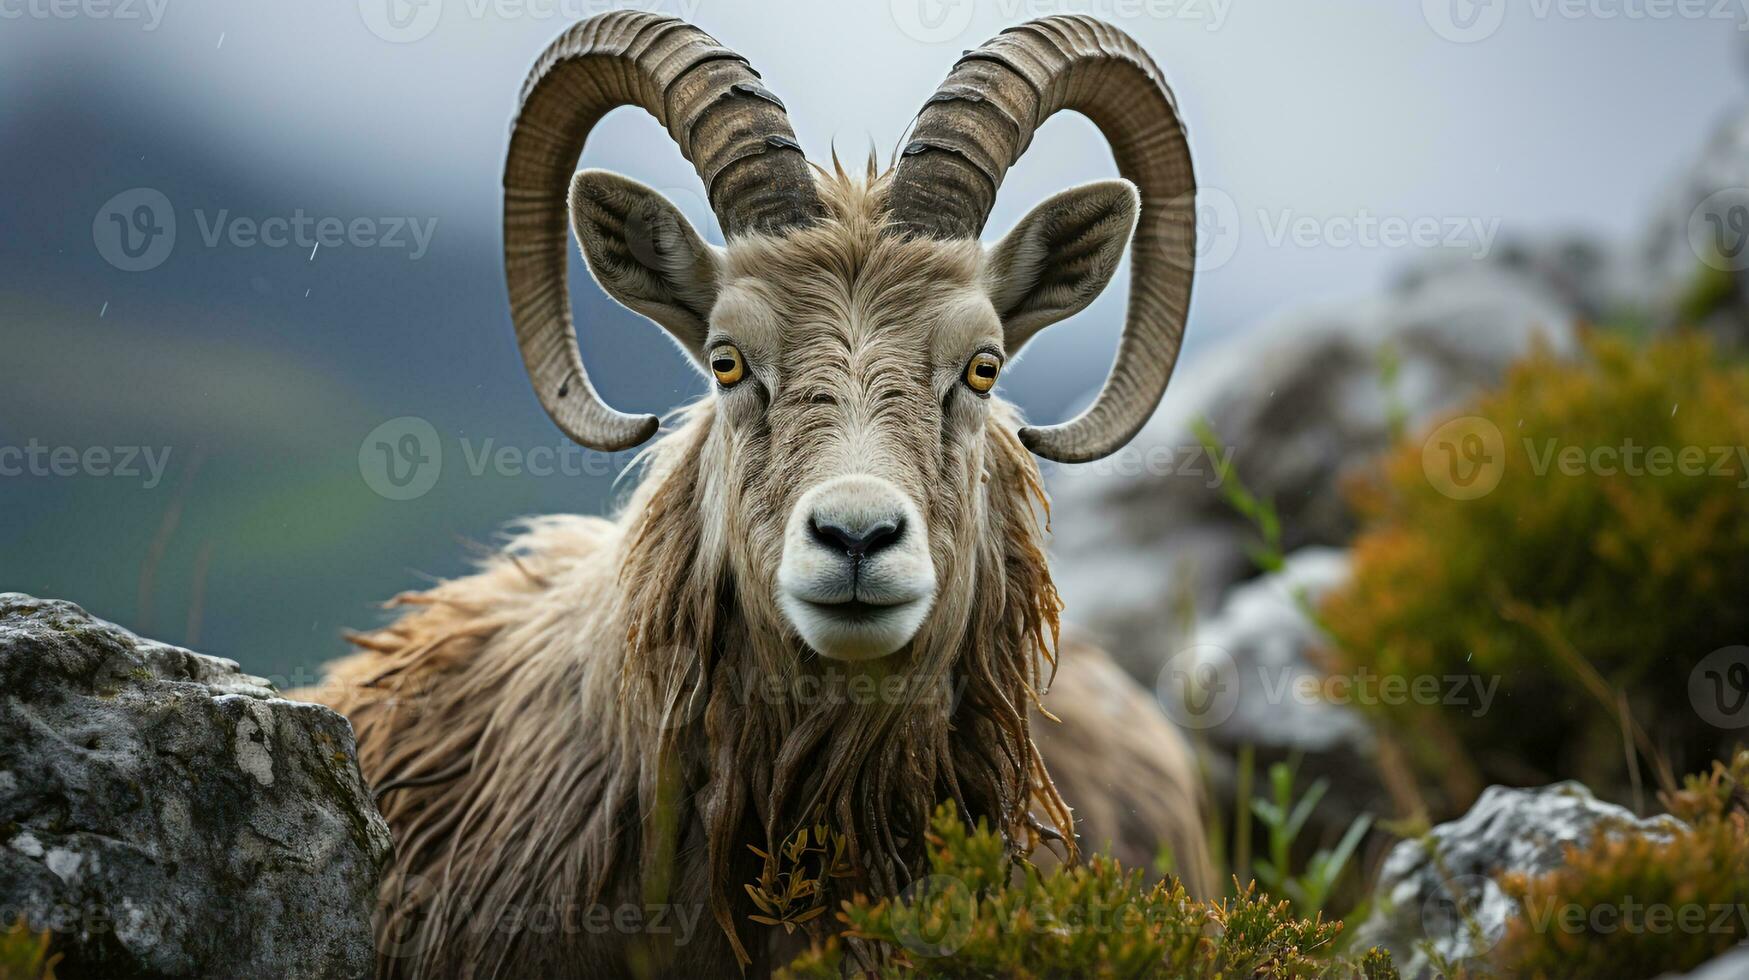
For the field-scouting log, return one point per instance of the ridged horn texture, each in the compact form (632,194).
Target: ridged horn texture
(734,131)
(979,123)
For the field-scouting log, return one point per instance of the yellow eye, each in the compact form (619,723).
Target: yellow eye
(981,372)
(726,364)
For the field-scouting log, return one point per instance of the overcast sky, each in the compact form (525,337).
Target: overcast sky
(1554,115)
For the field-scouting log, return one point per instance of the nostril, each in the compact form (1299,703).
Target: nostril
(882,535)
(830,535)
(857,542)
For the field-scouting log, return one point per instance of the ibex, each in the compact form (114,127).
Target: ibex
(827,602)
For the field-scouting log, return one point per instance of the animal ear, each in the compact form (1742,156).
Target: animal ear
(1059,258)
(645,253)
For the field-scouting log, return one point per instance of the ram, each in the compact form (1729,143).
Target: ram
(827,603)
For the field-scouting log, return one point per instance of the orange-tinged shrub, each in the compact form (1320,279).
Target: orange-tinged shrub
(1600,570)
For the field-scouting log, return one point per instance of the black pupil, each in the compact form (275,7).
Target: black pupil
(985,370)
(724,365)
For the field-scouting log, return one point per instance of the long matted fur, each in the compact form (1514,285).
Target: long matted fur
(612,712)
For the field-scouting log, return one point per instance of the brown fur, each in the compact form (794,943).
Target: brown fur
(611,713)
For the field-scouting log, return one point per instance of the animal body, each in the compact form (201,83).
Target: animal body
(827,602)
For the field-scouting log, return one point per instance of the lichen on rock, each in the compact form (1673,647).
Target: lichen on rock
(164,814)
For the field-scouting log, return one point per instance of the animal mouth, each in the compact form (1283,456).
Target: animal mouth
(855,629)
(855,610)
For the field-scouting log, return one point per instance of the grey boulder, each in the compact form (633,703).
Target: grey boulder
(165,815)
(1440,893)
(1301,404)
(1252,677)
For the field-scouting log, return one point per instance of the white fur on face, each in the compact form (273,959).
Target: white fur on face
(846,606)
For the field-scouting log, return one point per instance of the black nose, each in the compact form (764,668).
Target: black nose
(858,542)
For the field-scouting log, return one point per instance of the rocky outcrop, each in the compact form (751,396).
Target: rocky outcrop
(1252,677)
(1441,890)
(1301,404)
(164,814)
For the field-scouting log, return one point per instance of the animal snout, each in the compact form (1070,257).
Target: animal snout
(856,579)
(858,538)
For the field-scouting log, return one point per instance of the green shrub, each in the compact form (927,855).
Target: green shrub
(978,915)
(1583,592)
(1635,906)
(24,954)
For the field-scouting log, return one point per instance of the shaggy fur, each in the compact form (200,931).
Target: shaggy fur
(611,714)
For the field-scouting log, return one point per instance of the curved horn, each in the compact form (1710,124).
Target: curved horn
(730,127)
(980,121)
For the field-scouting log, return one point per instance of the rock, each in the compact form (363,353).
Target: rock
(1256,657)
(1300,403)
(1592,279)
(1262,640)
(1441,889)
(1731,966)
(164,814)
